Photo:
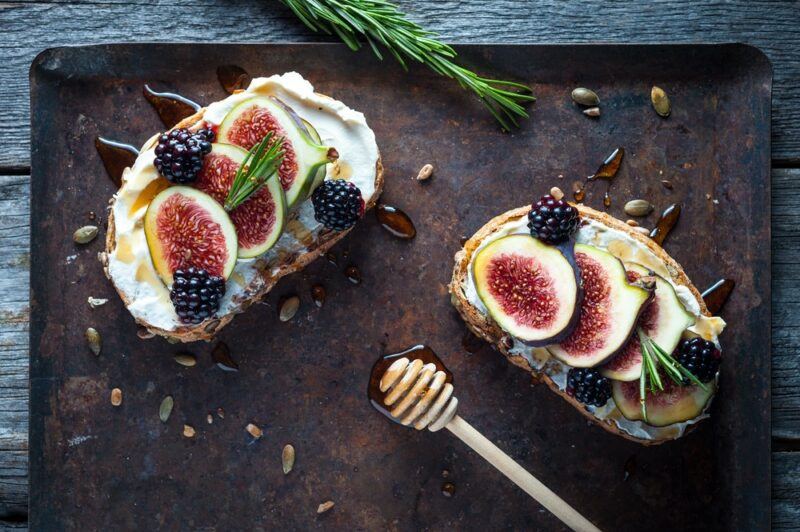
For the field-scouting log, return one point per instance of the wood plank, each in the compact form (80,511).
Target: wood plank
(785,491)
(30,27)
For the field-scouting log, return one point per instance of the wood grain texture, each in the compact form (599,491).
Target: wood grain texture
(30,27)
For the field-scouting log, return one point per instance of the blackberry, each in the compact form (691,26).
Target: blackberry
(700,357)
(588,386)
(552,221)
(337,204)
(195,294)
(179,154)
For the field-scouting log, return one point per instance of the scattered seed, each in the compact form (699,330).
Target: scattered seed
(166,408)
(144,334)
(220,413)
(254,431)
(185,359)
(93,340)
(585,97)
(660,101)
(638,207)
(116,397)
(85,234)
(95,302)
(189,431)
(645,231)
(667,184)
(592,111)
(324,507)
(287,457)
(288,307)
(557,193)
(632,223)
(425,172)
(221,355)
(209,419)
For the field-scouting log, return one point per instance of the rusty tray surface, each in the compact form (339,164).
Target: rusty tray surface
(95,466)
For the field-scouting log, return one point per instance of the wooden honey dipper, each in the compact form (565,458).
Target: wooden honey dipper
(414,388)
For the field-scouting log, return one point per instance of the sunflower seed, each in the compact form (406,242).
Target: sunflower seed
(660,101)
(185,359)
(93,340)
(585,97)
(166,408)
(287,457)
(189,431)
(254,431)
(85,234)
(592,111)
(324,507)
(95,302)
(116,397)
(638,207)
(425,172)
(288,308)
(557,193)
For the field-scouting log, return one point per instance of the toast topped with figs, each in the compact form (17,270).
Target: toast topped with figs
(597,311)
(249,189)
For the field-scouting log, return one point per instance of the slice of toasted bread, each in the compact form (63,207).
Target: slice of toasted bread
(322,241)
(485,327)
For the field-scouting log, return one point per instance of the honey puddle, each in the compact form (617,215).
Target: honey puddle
(147,194)
(125,250)
(300,232)
(342,170)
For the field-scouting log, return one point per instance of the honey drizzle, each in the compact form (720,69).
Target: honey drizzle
(395,221)
(233,78)
(666,223)
(147,194)
(171,107)
(116,157)
(716,295)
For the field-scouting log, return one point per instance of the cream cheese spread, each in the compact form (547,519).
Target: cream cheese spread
(626,249)
(130,265)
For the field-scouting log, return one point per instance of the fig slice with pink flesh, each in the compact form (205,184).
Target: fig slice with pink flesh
(663,320)
(609,311)
(249,122)
(185,227)
(672,405)
(259,221)
(529,288)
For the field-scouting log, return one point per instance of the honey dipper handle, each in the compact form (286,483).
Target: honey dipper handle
(519,476)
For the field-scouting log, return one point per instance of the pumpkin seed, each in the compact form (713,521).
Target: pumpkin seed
(189,431)
(585,97)
(557,193)
(116,397)
(166,408)
(660,101)
(592,111)
(254,431)
(287,457)
(324,507)
(288,308)
(85,234)
(425,172)
(185,359)
(95,302)
(638,207)
(93,340)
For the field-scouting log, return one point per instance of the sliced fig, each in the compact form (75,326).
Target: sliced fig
(529,288)
(664,319)
(250,121)
(186,227)
(608,314)
(672,405)
(259,221)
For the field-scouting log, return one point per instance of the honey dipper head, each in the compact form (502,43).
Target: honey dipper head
(415,393)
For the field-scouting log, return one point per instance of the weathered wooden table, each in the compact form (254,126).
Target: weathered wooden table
(30,26)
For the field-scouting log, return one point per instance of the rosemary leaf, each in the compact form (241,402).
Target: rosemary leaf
(379,21)
(259,166)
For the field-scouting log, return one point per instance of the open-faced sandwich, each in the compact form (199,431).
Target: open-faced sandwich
(596,310)
(249,189)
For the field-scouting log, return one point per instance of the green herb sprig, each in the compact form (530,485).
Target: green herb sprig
(260,164)
(381,22)
(653,358)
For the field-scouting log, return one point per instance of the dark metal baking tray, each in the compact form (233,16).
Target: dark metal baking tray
(94,466)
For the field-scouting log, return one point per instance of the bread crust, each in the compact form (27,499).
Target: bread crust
(486,328)
(207,329)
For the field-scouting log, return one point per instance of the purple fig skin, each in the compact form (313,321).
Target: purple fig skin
(567,249)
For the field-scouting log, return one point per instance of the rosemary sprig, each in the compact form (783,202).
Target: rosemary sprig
(653,358)
(260,164)
(379,21)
